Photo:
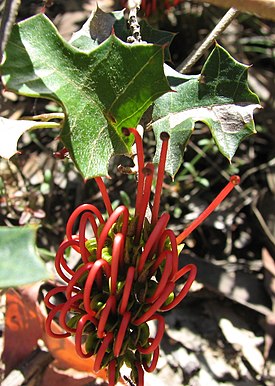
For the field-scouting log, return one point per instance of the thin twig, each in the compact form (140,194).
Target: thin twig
(8,18)
(261,8)
(45,117)
(262,223)
(195,55)
(34,364)
(255,210)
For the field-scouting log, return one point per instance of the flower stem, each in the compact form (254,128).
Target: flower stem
(153,239)
(45,117)
(65,310)
(142,203)
(167,256)
(156,341)
(90,281)
(109,307)
(78,336)
(140,159)
(60,261)
(48,324)
(82,208)
(104,194)
(168,233)
(102,350)
(52,292)
(121,333)
(127,290)
(112,373)
(161,170)
(119,211)
(234,180)
(150,368)
(72,285)
(155,306)
(116,259)
(191,269)
(82,230)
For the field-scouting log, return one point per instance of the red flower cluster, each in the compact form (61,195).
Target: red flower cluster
(125,277)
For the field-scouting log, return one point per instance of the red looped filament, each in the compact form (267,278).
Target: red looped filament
(161,170)
(234,180)
(126,275)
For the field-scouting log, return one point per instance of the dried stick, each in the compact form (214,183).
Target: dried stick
(29,368)
(8,18)
(261,8)
(195,55)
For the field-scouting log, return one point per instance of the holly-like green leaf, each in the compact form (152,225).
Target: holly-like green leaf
(96,29)
(100,25)
(148,34)
(20,263)
(100,91)
(219,97)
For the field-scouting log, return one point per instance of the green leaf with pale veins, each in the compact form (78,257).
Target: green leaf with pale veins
(100,91)
(156,36)
(219,97)
(95,30)
(20,263)
(148,34)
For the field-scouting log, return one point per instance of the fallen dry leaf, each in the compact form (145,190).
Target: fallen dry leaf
(66,357)
(23,326)
(57,377)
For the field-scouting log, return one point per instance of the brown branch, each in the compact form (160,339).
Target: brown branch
(31,367)
(196,54)
(261,8)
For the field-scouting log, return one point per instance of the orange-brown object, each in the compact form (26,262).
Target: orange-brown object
(56,377)
(23,326)
(261,8)
(63,350)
